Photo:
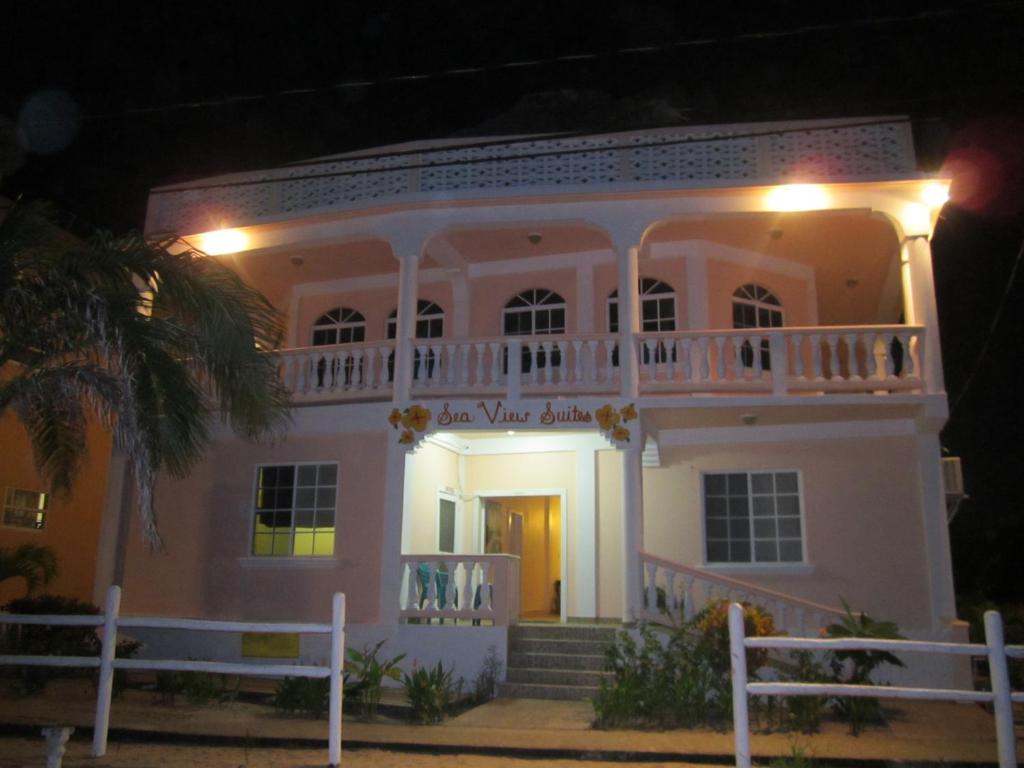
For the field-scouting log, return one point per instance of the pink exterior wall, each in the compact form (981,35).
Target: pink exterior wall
(206,520)
(488,296)
(862,520)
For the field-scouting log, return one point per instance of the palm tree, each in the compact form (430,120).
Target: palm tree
(35,564)
(152,338)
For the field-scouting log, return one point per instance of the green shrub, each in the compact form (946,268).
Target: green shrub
(52,640)
(367,674)
(856,667)
(431,692)
(303,695)
(485,687)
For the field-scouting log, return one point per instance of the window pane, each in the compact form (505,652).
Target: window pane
(766,552)
(304,520)
(790,551)
(715,506)
(737,484)
(718,552)
(303,544)
(282,544)
(307,474)
(446,526)
(324,497)
(739,507)
(788,505)
(717,528)
(739,552)
(305,498)
(763,506)
(789,527)
(761,482)
(325,518)
(764,529)
(739,529)
(327,474)
(263,544)
(714,484)
(785,482)
(323,543)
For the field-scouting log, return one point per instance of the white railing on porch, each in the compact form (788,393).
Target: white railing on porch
(111,622)
(1001,697)
(437,586)
(781,361)
(674,593)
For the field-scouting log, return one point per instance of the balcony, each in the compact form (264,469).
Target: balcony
(779,362)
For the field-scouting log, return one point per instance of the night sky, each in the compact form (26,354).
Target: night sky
(102,100)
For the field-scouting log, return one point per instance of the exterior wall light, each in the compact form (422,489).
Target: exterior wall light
(223,241)
(935,195)
(796,197)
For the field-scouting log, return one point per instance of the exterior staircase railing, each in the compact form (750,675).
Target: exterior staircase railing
(674,593)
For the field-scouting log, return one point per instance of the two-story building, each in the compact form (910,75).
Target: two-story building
(584,379)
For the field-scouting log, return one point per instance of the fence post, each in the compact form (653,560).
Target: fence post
(738,660)
(106,682)
(1001,700)
(337,667)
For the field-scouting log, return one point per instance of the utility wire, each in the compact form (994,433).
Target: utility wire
(976,365)
(490,159)
(745,37)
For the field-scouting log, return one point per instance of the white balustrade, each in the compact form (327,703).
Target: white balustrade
(470,588)
(674,593)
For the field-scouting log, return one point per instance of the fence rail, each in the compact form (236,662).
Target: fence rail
(111,621)
(994,649)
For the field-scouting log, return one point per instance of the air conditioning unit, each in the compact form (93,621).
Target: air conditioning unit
(953,482)
(952,476)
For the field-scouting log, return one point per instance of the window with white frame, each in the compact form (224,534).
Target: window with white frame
(338,326)
(294,510)
(429,325)
(754,306)
(446,523)
(753,517)
(536,312)
(657,313)
(25,509)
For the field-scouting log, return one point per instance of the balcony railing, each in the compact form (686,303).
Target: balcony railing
(483,589)
(780,362)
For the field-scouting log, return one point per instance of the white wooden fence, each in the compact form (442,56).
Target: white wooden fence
(111,622)
(1001,696)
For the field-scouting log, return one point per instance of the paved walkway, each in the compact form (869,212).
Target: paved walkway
(916,731)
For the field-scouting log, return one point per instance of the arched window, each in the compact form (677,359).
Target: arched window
(429,321)
(429,325)
(339,326)
(657,313)
(536,312)
(756,307)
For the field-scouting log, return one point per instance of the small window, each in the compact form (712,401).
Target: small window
(753,517)
(657,314)
(446,525)
(295,508)
(429,321)
(25,509)
(536,312)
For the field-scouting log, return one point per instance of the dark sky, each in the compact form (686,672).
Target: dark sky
(102,100)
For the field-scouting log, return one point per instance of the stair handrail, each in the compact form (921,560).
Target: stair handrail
(801,605)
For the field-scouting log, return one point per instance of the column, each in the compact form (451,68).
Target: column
(582,589)
(408,274)
(632,528)
(390,580)
(919,307)
(629,321)
(936,531)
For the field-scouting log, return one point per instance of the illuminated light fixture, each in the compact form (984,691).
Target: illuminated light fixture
(223,241)
(534,237)
(916,219)
(510,432)
(796,197)
(935,195)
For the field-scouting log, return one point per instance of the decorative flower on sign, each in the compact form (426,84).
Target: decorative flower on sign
(611,420)
(413,419)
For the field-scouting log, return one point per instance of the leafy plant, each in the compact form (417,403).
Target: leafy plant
(303,695)
(369,674)
(53,640)
(805,713)
(431,692)
(798,758)
(856,667)
(36,564)
(675,680)
(485,687)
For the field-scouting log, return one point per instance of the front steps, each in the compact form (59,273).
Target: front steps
(555,661)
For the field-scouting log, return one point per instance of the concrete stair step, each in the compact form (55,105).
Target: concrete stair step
(575,677)
(560,692)
(583,632)
(564,647)
(556,661)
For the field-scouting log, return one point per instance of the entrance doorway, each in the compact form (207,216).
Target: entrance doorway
(531,527)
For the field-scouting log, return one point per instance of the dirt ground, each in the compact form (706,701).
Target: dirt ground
(25,753)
